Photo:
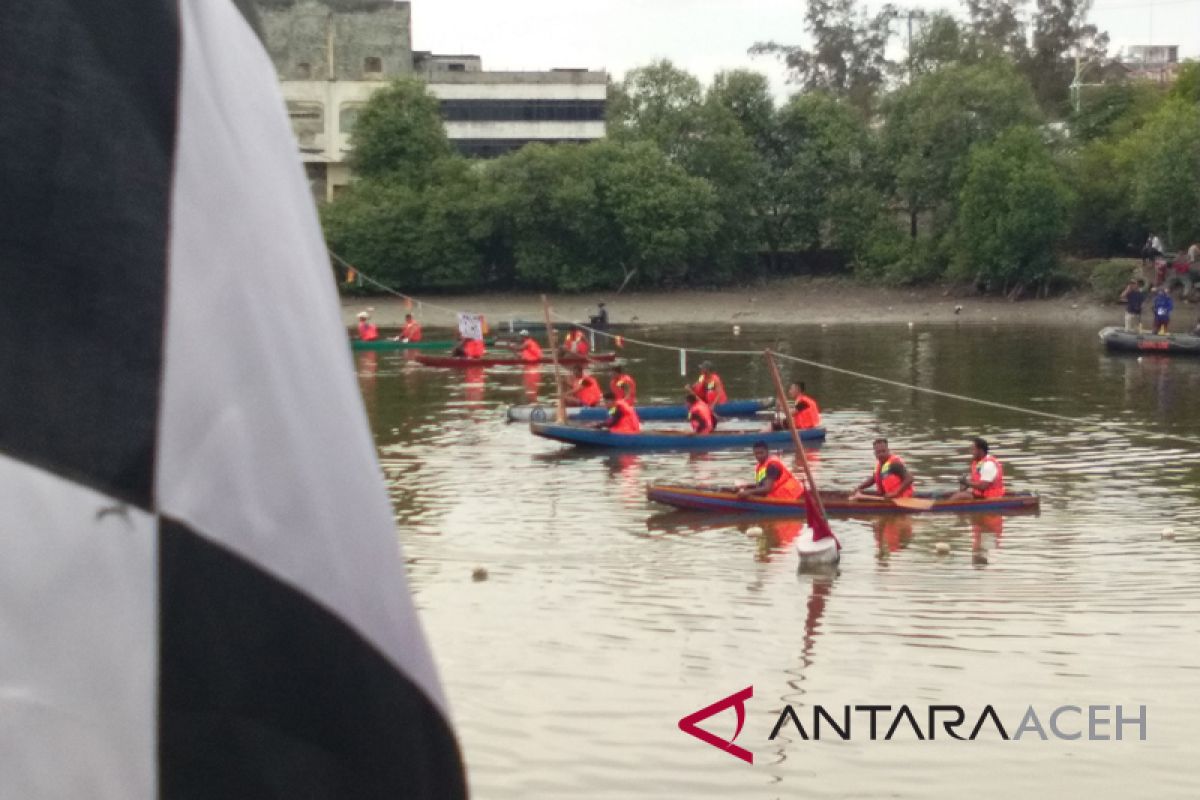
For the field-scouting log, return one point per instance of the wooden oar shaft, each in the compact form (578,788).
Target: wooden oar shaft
(781,398)
(560,415)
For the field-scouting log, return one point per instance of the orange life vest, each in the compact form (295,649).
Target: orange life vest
(888,481)
(701,417)
(473,348)
(624,387)
(587,391)
(809,417)
(997,487)
(531,352)
(786,486)
(411,332)
(575,343)
(710,390)
(626,418)
(367,331)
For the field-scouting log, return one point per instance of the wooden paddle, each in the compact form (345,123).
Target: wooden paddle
(915,503)
(781,398)
(560,414)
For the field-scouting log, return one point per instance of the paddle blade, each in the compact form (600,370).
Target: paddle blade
(817,521)
(915,503)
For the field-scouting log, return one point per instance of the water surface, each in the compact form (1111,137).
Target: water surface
(604,621)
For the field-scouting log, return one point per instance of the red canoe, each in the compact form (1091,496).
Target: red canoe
(456,361)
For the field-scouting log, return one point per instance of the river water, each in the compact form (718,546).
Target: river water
(603,621)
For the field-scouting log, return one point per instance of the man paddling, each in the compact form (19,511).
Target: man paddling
(469,348)
(700,415)
(585,391)
(622,418)
(891,477)
(623,385)
(574,343)
(367,331)
(986,478)
(709,388)
(411,331)
(772,479)
(805,411)
(531,351)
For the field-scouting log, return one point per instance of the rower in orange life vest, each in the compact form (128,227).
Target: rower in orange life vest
(986,479)
(623,385)
(622,418)
(468,348)
(700,415)
(574,343)
(710,388)
(891,477)
(531,351)
(366,329)
(807,414)
(411,331)
(772,478)
(585,391)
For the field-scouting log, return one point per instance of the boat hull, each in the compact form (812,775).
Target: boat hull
(725,501)
(455,361)
(444,345)
(659,413)
(1177,344)
(668,440)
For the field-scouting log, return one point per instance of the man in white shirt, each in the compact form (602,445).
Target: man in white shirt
(986,479)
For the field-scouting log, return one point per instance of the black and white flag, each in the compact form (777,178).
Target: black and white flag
(201,590)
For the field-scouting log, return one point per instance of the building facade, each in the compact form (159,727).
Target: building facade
(332,55)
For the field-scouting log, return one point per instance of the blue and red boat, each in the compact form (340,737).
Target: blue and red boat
(724,500)
(584,436)
(656,413)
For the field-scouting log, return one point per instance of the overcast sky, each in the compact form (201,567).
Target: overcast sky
(703,36)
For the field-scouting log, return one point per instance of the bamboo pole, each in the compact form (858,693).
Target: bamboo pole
(560,414)
(781,398)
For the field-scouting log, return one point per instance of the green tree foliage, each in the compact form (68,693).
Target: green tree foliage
(1013,212)
(848,56)
(660,103)
(399,135)
(1114,110)
(603,215)
(1102,217)
(1187,84)
(1060,30)
(931,125)
(940,42)
(1162,160)
(996,29)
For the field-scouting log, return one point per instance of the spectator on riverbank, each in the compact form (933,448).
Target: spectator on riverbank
(1163,306)
(1152,249)
(1133,297)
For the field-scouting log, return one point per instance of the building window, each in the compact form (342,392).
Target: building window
(308,121)
(523,110)
(348,116)
(303,70)
(372,64)
(494,148)
(456,67)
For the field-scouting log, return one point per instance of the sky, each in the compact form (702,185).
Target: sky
(702,36)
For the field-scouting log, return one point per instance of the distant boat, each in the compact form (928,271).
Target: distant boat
(510,361)
(582,436)
(657,413)
(1174,344)
(445,345)
(724,500)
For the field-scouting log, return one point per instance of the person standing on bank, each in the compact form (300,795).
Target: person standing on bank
(1163,306)
(1133,297)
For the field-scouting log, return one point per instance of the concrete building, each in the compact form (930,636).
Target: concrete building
(1153,63)
(332,55)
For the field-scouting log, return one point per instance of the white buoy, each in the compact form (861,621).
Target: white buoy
(910,324)
(1168,533)
(942,548)
(824,553)
(737,330)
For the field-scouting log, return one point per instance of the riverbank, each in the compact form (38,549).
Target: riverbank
(791,301)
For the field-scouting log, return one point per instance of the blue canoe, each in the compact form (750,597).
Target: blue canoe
(670,440)
(677,413)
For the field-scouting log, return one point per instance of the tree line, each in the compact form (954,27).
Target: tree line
(967,159)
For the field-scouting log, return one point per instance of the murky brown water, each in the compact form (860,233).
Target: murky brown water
(603,623)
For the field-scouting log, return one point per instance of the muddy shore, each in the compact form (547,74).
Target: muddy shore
(793,301)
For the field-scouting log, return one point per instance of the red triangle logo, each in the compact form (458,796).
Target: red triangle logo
(738,701)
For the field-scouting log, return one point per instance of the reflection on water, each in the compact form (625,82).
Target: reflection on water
(606,620)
